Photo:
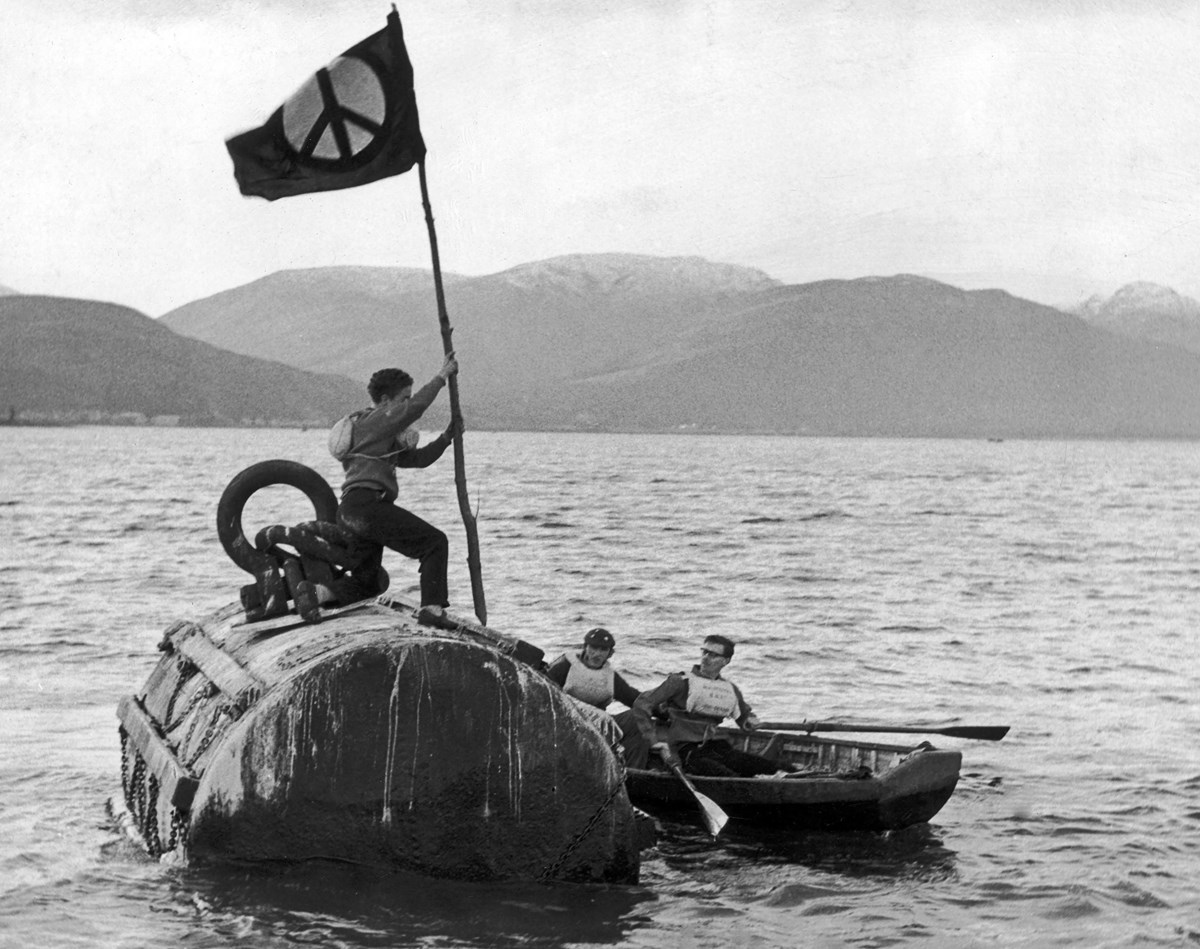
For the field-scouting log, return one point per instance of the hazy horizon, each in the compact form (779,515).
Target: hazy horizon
(1033,149)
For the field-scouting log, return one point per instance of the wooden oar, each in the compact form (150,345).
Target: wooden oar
(981,732)
(714,818)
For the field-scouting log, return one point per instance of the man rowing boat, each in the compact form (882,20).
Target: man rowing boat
(695,703)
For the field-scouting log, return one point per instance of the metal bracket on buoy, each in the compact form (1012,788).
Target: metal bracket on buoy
(239,685)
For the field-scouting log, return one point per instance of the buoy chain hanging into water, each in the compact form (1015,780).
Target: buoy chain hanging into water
(141,790)
(150,762)
(179,829)
(549,872)
(156,784)
(143,812)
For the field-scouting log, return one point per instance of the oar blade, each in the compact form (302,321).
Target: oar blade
(978,732)
(715,818)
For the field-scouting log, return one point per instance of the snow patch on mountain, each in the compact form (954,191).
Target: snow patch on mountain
(635,273)
(1147,311)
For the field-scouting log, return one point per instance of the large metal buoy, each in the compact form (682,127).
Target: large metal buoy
(291,727)
(373,740)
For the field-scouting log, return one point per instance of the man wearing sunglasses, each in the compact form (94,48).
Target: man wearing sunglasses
(695,703)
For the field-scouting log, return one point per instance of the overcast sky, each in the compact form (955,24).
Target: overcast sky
(1048,148)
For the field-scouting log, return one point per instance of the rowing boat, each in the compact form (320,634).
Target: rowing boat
(840,784)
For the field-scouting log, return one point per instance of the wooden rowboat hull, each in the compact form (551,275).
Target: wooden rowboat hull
(849,785)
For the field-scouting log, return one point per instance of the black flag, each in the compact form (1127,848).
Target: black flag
(353,122)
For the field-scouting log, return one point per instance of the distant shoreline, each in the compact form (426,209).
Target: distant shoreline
(152,423)
(24,423)
(688,431)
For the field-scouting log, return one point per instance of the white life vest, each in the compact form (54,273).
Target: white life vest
(593,686)
(712,698)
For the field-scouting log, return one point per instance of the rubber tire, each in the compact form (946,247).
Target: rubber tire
(260,475)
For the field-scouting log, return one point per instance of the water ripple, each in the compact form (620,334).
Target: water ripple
(1050,586)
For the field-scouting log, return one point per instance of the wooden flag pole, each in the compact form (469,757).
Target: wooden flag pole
(460,471)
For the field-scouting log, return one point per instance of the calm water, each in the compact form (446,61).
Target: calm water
(1051,586)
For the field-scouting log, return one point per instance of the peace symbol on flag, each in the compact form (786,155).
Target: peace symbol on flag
(353,122)
(337,120)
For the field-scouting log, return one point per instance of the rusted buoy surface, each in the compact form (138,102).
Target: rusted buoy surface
(377,742)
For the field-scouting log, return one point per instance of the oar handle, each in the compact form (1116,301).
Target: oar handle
(672,761)
(678,771)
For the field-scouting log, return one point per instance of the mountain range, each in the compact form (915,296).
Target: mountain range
(633,343)
(527,337)
(79,360)
(620,342)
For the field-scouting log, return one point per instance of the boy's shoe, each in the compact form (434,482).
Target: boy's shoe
(432,615)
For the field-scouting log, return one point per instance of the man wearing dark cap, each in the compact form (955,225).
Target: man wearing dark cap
(588,677)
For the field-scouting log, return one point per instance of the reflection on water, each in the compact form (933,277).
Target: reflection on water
(913,853)
(810,873)
(328,905)
(1049,586)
